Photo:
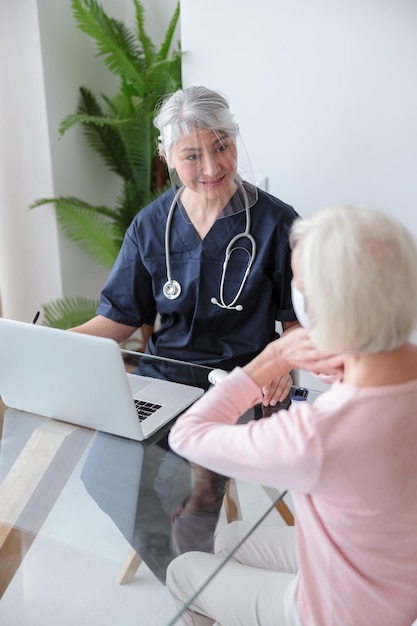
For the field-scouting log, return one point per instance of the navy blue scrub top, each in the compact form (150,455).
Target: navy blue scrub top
(192,328)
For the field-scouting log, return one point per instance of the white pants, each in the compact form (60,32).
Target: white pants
(249,590)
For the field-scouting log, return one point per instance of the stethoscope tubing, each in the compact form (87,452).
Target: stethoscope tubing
(172,289)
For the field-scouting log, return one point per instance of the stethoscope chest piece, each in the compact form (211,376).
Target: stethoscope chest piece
(171,289)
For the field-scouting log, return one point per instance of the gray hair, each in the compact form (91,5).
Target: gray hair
(359,273)
(191,108)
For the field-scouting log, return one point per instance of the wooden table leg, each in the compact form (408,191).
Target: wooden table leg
(232,502)
(281,506)
(129,568)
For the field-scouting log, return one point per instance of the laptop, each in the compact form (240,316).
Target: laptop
(81,379)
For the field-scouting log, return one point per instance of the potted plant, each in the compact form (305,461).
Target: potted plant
(121,131)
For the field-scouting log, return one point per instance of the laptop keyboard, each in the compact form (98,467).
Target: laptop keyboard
(145,409)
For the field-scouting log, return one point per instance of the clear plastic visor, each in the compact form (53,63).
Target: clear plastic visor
(212,172)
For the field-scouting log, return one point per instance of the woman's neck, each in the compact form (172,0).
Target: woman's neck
(203,211)
(383,368)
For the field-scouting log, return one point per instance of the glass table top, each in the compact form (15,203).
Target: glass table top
(80,509)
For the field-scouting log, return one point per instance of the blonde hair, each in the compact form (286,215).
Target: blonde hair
(359,273)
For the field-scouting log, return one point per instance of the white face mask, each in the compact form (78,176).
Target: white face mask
(299,304)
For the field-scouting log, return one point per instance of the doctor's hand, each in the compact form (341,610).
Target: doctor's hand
(277,390)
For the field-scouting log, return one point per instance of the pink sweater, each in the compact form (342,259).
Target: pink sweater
(350,461)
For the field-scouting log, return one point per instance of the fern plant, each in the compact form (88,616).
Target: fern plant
(121,131)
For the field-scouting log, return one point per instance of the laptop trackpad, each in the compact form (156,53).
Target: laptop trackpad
(137,383)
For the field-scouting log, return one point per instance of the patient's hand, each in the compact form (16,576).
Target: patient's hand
(294,350)
(277,390)
(297,350)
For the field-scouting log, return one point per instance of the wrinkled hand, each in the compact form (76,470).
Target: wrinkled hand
(294,350)
(297,349)
(277,391)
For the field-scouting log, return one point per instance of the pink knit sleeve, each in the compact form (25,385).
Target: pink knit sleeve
(269,451)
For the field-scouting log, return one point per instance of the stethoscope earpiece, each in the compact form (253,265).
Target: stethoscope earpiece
(238,307)
(172,288)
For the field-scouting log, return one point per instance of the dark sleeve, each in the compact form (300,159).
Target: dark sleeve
(127,295)
(283,272)
(285,311)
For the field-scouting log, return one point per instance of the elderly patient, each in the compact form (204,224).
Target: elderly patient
(349,459)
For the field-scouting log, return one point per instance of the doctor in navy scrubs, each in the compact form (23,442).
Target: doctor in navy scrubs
(211,257)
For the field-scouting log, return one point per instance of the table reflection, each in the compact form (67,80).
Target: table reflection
(140,487)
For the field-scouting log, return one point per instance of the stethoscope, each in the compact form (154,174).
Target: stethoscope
(172,288)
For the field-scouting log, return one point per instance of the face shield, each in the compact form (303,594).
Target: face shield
(212,169)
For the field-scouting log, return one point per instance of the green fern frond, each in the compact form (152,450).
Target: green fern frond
(87,226)
(129,203)
(123,106)
(137,139)
(66,313)
(166,44)
(164,77)
(115,42)
(104,140)
(80,118)
(92,233)
(102,209)
(122,143)
(147,45)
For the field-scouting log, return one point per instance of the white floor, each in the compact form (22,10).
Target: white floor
(69,575)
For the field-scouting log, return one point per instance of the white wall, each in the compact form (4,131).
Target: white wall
(324,91)
(29,255)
